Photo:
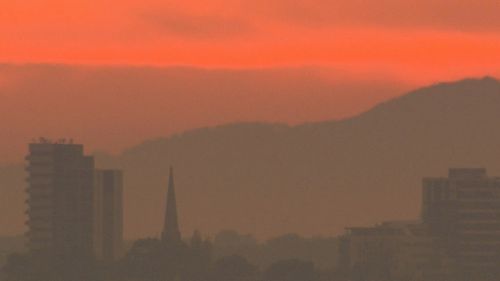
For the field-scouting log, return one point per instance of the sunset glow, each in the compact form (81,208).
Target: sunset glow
(429,41)
(362,52)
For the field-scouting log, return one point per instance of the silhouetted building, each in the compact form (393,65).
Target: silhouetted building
(402,250)
(463,210)
(108,215)
(60,196)
(171,232)
(73,210)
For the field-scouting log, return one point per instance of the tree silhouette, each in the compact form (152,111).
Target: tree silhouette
(196,265)
(233,268)
(152,260)
(291,270)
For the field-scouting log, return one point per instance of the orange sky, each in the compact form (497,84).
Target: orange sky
(409,43)
(420,41)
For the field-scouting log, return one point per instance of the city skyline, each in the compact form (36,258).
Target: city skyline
(225,164)
(456,235)
(75,222)
(324,140)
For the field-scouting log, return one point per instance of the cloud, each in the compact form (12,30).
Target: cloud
(225,19)
(187,25)
(462,15)
(419,35)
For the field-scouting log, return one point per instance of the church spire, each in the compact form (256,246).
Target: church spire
(171,231)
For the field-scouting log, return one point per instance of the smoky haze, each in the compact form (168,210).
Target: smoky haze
(113,108)
(312,179)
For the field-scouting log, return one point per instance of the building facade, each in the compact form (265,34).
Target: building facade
(108,215)
(397,250)
(74,210)
(60,200)
(463,210)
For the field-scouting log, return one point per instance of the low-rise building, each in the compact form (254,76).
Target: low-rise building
(398,250)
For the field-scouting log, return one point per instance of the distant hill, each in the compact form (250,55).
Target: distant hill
(315,178)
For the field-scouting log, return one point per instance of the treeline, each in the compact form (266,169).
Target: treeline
(228,257)
(322,251)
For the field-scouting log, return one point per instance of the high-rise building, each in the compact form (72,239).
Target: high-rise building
(60,195)
(74,210)
(108,215)
(463,210)
(171,232)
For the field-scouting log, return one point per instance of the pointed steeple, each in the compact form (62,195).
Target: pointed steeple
(171,231)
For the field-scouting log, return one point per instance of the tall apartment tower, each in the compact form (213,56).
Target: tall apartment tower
(108,215)
(171,231)
(60,199)
(463,210)
(74,210)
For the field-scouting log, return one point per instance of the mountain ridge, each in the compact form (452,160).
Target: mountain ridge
(314,178)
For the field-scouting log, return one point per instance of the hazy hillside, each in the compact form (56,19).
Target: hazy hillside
(114,107)
(315,178)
